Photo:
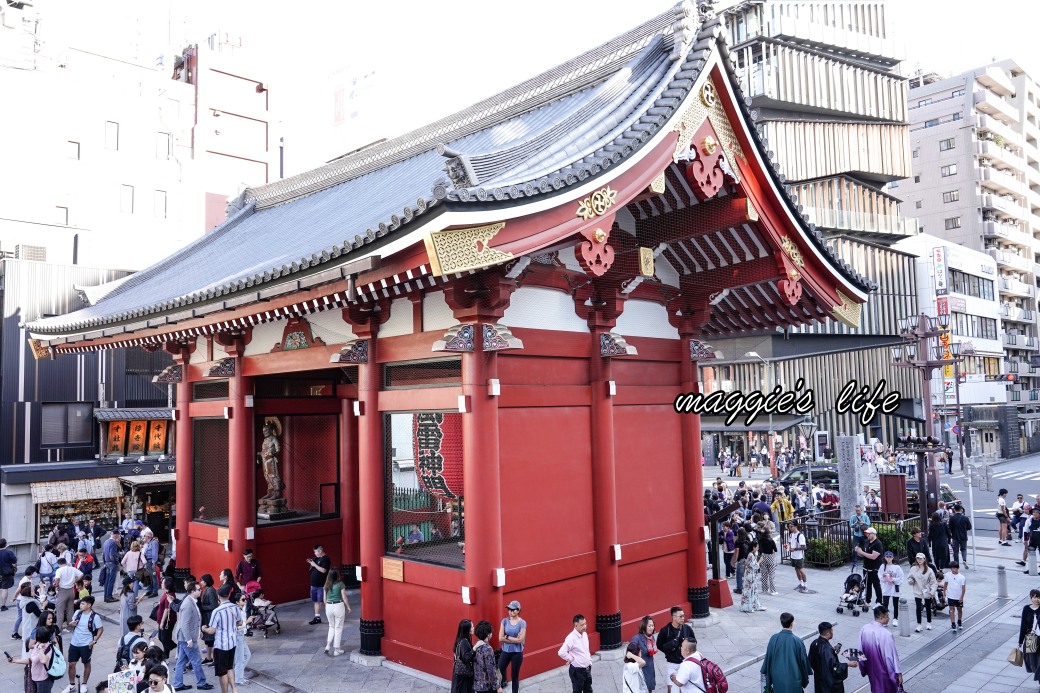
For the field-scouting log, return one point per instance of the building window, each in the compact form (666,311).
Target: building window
(924,102)
(162,145)
(917,153)
(111,135)
(66,423)
(956,116)
(947,171)
(424,475)
(931,122)
(61,216)
(126,199)
(917,178)
(958,92)
(72,150)
(951,196)
(160,204)
(953,223)
(970,285)
(947,144)
(965,325)
(918,204)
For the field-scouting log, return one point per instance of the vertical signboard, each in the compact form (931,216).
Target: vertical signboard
(942,303)
(941,275)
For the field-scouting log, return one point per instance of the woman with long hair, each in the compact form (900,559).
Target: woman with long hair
(891,577)
(939,538)
(767,549)
(631,679)
(39,660)
(749,601)
(166,617)
(128,601)
(227,577)
(32,607)
(133,561)
(922,579)
(242,652)
(336,609)
(462,658)
(48,622)
(207,603)
(644,639)
(1029,634)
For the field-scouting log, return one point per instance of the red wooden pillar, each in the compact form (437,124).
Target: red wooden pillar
(693,473)
(185,502)
(241,462)
(482,487)
(349,513)
(365,321)
(604,499)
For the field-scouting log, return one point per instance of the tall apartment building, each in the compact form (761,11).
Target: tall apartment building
(976,156)
(827,96)
(108,153)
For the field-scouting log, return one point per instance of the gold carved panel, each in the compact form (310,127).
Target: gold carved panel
(707,105)
(459,250)
(596,204)
(848,311)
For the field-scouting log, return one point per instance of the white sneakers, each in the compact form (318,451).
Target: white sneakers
(774,593)
(895,622)
(918,629)
(928,627)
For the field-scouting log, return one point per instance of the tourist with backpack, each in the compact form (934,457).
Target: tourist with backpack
(87,629)
(43,661)
(133,636)
(698,674)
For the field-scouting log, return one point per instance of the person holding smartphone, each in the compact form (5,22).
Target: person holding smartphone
(39,660)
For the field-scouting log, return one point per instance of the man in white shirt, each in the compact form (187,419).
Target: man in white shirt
(689,677)
(796,546)
(65,578)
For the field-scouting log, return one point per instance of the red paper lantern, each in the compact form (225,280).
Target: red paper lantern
(437,438)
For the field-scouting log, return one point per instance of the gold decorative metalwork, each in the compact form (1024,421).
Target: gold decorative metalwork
(792,251)
(600,235)
(657,184)
(708,106)
(597,203)
(39,349)
(848,311)
(646,262)
(458,250)
(709,145)
(752,213)
(708,94)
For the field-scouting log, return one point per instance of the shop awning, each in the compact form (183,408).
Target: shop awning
(149,480)
(111,414)
(75,490)
(717,424)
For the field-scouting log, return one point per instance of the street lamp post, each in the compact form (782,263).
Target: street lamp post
(807,428)
(772,382)
(918,353)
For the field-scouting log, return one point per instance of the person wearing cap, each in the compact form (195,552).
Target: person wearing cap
(859,522)
(873,556)
(512,634)
(110,556)
(829,673)
(916,544)
(891,578)
(922,579)
(880,663)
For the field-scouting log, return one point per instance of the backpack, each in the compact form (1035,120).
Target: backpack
(90,623)
(714,680)
(124,650)
(58,667)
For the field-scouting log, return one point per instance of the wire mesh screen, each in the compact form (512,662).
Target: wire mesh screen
(307,459)
(423,373)
(425,518)
(210,471)
(209,390)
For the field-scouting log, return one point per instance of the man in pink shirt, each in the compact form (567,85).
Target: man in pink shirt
(575,651)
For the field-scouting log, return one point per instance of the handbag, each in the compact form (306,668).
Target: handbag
(461,669)
(1031,643)
(1016,657)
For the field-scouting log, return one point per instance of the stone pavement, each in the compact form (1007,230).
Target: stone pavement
(294,660)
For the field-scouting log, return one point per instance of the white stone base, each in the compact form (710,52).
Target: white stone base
(614,655)
(711,620)
(366,660)
(429,678)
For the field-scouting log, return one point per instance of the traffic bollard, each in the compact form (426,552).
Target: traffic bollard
(1002,592)
(1031,562)
(904,623)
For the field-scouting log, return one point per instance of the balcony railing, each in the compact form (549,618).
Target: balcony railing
(1012,366)
(855,221)
(1003,204)
(995,151)
(997,127)
(1009,259)
(1009,232)
(1016,313)
(1013,286)
(1015,396)
(1001,180)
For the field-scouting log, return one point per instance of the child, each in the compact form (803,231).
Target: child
(955,585)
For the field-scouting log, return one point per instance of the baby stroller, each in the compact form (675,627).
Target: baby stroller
(264,618)
(852,596)
(940,593)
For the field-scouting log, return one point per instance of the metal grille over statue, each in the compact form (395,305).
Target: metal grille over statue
(272,506)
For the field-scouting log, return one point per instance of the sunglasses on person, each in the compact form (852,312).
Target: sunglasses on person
(155,682)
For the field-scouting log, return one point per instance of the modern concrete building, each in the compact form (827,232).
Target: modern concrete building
(976,182)
(827,96)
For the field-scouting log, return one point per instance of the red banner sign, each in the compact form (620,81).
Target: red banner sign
(438,452)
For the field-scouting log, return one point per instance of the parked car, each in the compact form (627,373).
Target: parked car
(945,494)
(825,474)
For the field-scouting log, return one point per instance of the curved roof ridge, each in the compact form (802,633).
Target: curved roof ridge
(576,74)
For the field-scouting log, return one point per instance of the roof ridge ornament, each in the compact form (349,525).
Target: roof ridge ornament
(706,10)
(683,30)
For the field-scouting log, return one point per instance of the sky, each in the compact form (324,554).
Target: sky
(424,60)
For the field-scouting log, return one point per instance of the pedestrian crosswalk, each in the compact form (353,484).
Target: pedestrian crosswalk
(1010,475)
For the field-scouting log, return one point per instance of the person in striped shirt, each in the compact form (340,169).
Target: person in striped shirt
(223,626)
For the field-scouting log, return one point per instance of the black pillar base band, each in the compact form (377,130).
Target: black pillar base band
(182,573)
(348,571)
(371,638)
(698,597)
(609,628)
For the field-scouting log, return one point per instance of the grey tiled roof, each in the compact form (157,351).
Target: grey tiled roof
(563,127)
(116,414)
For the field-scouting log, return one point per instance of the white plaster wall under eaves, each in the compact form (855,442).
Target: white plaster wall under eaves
(543,309)
(645,319)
